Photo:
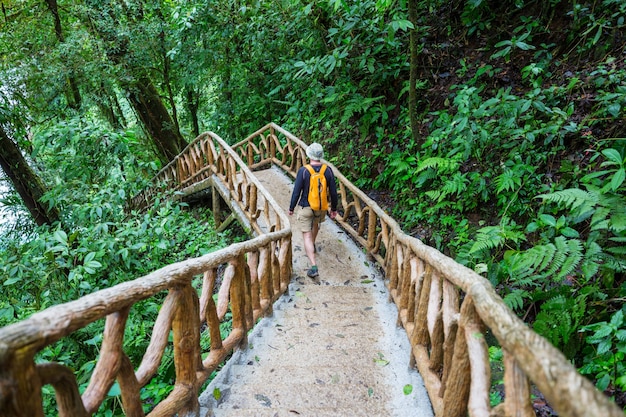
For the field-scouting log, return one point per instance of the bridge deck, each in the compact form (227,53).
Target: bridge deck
(332,346)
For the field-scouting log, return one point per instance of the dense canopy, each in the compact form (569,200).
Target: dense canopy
(492,130)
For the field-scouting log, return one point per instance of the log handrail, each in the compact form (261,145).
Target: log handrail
(445,308)
(257,272)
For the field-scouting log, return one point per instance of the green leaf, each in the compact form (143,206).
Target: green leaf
(617,319)
(603,383)
(408,389)
(12,281)
(614,109)
(217,394)
(60,236)
(548,219)
(618,179)
(569,232)
(613,156)
(115,390)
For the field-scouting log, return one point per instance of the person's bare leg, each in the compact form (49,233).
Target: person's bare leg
(314,231)
(309,246)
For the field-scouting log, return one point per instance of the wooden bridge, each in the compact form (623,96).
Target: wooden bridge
(444,309)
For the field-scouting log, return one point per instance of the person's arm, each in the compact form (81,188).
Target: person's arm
(297,190)
(332,188)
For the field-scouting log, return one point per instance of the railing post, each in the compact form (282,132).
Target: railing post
(457,385)
(21,393)
(186,329)
(272,148)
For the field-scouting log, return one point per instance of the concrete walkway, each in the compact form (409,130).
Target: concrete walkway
(332,347)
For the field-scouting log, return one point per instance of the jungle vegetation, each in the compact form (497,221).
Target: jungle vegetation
(494,131)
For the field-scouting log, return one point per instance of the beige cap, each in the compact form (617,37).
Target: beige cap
(314,151)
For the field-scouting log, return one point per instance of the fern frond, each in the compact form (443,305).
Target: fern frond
(573,258)
(612,263)
(488,237)
(574,199)
(531,261)
(559,256)
(515,299)
(618,222)
(435,194)
(456,185)
(546,255)
(590,264)
(438,164)
(425,176)
(507,181)
(599,220)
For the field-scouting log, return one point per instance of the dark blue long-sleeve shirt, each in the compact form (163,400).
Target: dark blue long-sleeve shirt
(300,193)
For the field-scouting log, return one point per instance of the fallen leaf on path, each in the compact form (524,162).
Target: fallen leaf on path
(263,399)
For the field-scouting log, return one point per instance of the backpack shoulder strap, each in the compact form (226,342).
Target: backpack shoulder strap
(310,169)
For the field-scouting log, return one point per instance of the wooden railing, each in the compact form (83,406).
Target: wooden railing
(256,273)
(446,310)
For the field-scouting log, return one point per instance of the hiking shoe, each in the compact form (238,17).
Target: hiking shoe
(312,273)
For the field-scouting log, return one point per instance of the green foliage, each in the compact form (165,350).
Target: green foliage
(502,180)
(606,361)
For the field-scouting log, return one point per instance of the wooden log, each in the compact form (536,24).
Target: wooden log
(160,332)
(517,401)
(237,300)
(404,282)
(170,406)
(448,353)
(420,333)
(275,274)
(63,380)
(110,361)
(217,206)
(284,260)
(411,289)
(431,379)
(456,393)
(255,286)
(437,344)
(478,403)
(391,265)
(247,294)
(206,294)
(21,381)
(186,332)
(130,388)
(434,302)
(371,229)
(449,305)
(224,293)
(267,289)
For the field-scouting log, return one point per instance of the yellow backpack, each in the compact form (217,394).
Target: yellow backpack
(318,190)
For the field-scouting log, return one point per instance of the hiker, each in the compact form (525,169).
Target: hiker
(313,201)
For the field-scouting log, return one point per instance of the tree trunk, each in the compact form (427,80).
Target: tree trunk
(109,106)
(25,181)
(193,103)
(73,95)
(413,7)
(140,90)
(146,101)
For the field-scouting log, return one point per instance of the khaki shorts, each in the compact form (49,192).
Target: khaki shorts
(307,217)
